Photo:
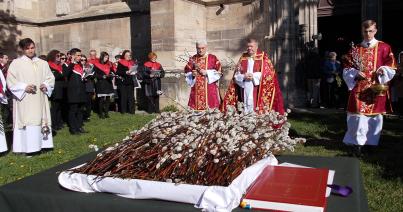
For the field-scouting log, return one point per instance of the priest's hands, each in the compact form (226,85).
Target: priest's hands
(380,72)
(43,88)
(30,89)
(248,76)
(201,71)
(360,76)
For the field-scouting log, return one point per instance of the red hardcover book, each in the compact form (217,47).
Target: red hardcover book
(289,189)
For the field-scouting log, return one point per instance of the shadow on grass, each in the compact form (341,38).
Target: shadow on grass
(327,129)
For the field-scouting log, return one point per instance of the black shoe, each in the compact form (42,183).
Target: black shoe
(31,154)
(44,150)
(74,132)
(357,151)
(81,130)
(369,149)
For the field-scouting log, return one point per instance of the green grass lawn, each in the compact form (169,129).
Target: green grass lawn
(382,171)
(102,132)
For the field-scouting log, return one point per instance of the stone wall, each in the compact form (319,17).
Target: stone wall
(105,35)
(274,23)
(170,28)
(103,25)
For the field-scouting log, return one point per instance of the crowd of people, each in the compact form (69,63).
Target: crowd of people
(360,84)
(72,81)
(325,85)
(75,85)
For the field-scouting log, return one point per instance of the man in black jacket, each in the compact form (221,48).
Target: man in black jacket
(76,94)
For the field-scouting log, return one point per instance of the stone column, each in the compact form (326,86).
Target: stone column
(175,27)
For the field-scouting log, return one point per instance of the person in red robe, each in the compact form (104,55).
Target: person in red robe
(202,73)
(369,67)
(254,83)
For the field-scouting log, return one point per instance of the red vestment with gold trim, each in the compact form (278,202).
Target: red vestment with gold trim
(266,94)
(202,94)
(362,99)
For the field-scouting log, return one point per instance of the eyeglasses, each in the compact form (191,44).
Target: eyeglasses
(83,60)
(62,58)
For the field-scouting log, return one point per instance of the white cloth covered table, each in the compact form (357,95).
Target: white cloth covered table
(208,198)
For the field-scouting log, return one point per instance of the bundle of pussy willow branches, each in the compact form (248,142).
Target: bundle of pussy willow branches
(201,148)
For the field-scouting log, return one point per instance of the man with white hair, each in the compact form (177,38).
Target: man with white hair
(92,58)
(255,83)
(202,74)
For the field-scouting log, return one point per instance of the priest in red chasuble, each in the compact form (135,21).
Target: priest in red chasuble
(202,73)
(255,83)
(369,67)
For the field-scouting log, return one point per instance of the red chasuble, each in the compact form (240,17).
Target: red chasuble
(362,99)
(202,94)
(267,93)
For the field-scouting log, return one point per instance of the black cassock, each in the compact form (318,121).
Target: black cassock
(126,84)
(104,82)
(58,97)
(152,85)
(104,89)
(75,84)
(76,96)
(90,90)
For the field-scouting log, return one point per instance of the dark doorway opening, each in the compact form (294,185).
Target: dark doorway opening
(391,20)
(338,32)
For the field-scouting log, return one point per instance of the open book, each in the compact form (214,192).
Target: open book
(88,70)
(155,73)
(133,69)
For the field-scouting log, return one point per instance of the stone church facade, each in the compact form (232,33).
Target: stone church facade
(169,28)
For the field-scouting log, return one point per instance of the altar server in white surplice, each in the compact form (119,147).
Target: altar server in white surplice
(31,81)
